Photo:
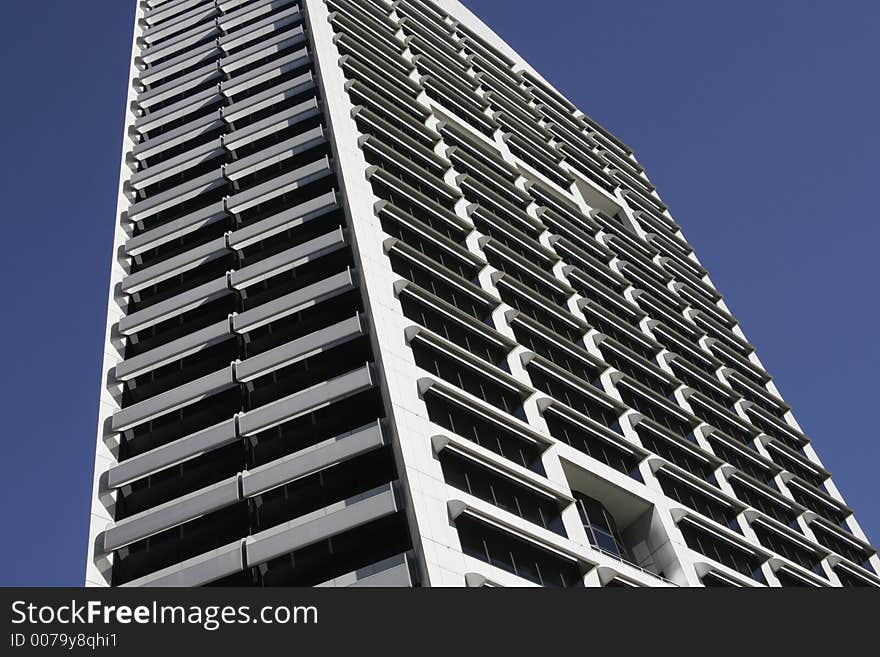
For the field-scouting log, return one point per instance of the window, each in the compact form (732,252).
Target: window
(600,527)
(712,416)
(711,507)
(541,315)
(515,555)
(788,579)
(574,398)
(605,326)
(503,492)
(742,463)
(453,330)
(618,583)
(722,551)
(790,463)
(855,553)
(466,377)
(763,502)
(695,382)
(538,287)
(835,515)
(654,410)
(593,445)
(642,375)
(670,450)
(436,250)
(711,580)
(771,430)
(485,433)
(422,276)
(848,579)
(790,549)
(584,369)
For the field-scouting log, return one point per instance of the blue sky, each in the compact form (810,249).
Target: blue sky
(756,120)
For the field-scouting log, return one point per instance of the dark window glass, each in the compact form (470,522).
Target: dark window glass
(592,445)
(765,503)
(711,580)
(541,315)
(465,377)
(677,454)
(574,398)
(650,408)
(485,433)
(699,501)
(585,370)
(789,549)
(849,580)
(600,526)
(501,491)
(426,279)
(515,555)
(856,554)
(452,330)
(721,551)
(740,462)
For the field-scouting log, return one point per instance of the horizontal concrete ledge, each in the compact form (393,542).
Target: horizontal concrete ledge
(172,453)
(293,302)
(179,43)
(267,98)
(146,149)
(391,572)
(539,537)
(277,223)
(173,69)
(204,153)
(171,513)
(223,329)
(238,372)
(157,118)
(199,570)
(157,11)
(274,542)
(541,485)
(188,19)
(312,459)
(176,195)
(261,50)
(219,287)
(242,15)
(179,348)
(275,69)
(176,305)
(279,185)
(260,28)
(242,486)
(207,73)
(176,228)
(305,401)
(275,154)
(175,265)
(288,259)
(271,124)
(173,399)
(300,348)
(319,525)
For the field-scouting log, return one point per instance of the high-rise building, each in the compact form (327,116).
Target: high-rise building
(387,309)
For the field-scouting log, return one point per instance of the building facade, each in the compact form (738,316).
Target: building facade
(386,309)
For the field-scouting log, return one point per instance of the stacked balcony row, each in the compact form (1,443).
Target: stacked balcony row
(250,438)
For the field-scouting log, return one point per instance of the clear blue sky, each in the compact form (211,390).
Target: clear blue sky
(757,121)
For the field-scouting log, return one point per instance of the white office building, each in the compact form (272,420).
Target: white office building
(386,309)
